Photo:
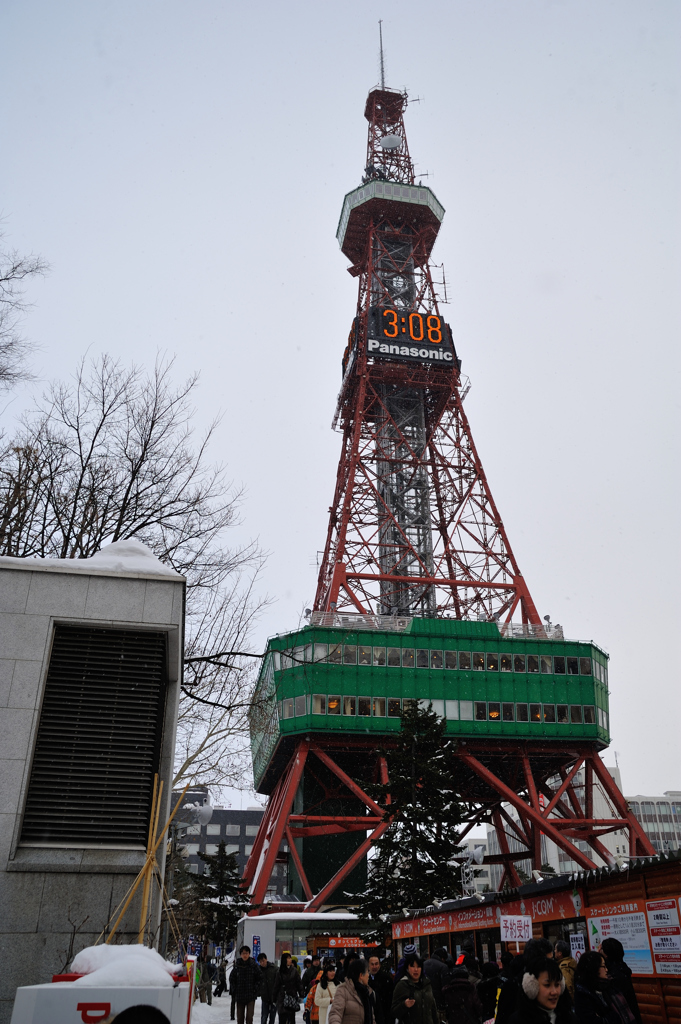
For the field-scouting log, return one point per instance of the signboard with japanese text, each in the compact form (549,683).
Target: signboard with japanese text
(577,945)
(515,928)
(552,907)
(624,920)
(665,935)
(350,942)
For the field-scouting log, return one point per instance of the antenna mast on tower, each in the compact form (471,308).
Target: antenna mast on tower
(380,36)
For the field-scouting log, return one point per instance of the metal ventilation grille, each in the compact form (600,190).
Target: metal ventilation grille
(99,737)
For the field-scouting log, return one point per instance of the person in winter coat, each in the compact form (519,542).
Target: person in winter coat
(353,1001)
(488,989)
(543,999)
(268,1010)
(593,1002)
(324,992)
(288,987)
(382,985)
(535,950)
(620,974)
(401,969)
(435,969)
(567,964)
(461,1002)
(311,974)
(244,985)
(413,999)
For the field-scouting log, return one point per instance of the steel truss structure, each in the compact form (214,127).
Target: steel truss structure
(279,821)
(414,531)
(537,780)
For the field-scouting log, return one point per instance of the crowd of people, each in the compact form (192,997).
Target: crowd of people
(543,985)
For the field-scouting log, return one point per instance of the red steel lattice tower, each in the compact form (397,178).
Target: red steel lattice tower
(414,529)
(415,537)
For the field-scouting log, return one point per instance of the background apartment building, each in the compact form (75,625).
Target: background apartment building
(236,829)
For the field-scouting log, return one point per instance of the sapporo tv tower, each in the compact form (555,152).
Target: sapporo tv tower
(420,598)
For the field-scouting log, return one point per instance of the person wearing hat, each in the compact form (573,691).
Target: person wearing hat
(408,950)
(460,998)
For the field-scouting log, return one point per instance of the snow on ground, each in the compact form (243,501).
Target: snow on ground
(218,1013)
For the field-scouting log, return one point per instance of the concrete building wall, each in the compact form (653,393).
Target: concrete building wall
(47,892)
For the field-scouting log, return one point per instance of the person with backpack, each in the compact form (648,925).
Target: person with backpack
(488,989)
(461,1002)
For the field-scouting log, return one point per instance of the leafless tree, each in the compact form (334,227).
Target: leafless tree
(113,455)
(14,348)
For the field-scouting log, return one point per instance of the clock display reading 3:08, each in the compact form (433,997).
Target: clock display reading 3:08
(417,326)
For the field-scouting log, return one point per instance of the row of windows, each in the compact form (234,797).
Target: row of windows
(455,710)
(645,811)
(216,829)
(410,657)
(212,848)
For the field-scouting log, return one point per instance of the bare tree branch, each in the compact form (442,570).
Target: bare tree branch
(111,455)
(14,348)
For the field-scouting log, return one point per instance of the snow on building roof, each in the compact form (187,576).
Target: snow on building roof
(122,558)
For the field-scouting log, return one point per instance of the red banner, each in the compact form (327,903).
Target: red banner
(552,907)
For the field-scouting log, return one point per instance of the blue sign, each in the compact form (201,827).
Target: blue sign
(218,950)
(256,947)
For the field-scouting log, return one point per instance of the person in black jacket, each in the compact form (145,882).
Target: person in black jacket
(535,949)
(460,998)
(382,985)
(542,998)
(488,989)
(593,1004)
(245,982)
(620,974)
(435,969)
(288,986)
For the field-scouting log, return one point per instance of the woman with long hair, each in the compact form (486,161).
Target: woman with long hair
(620,974)
(325,991)
(413,999)
(353,1001)
(593,1002)
(288,989)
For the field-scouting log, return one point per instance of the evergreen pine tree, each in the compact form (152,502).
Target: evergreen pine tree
(412,863)
(221,894)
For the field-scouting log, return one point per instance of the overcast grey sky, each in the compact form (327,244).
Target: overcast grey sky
(182,166)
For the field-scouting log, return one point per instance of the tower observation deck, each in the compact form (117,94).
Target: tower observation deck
(419,597)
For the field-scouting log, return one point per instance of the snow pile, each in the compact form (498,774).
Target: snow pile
(122,556)
(129,966)
(129,556)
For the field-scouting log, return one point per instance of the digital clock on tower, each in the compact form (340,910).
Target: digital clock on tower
(398,325)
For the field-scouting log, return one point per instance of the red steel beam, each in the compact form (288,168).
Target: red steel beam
(509,866)
(343,872)
(636,834)
(288,796)
(299,865)
(352,786)
(529,812)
